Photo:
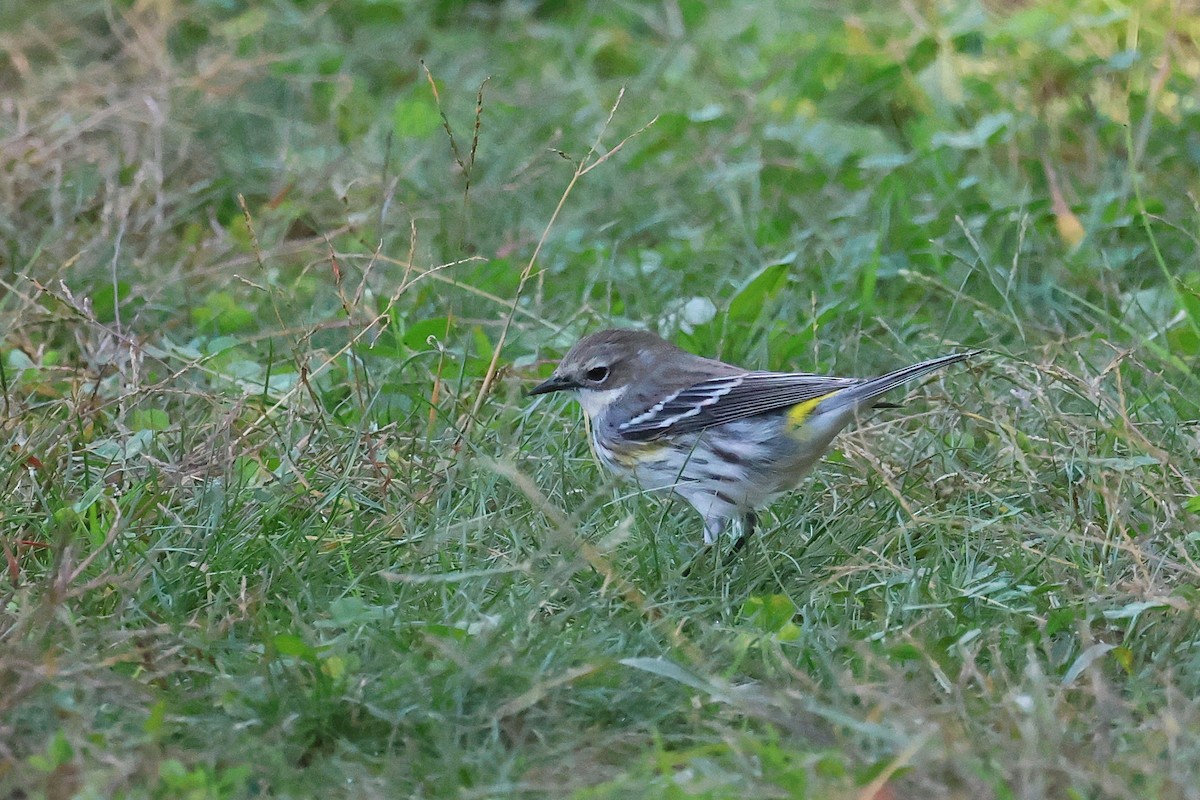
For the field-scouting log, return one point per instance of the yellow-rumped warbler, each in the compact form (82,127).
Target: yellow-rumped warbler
(724,438)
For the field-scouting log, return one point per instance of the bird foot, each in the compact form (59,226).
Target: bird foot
(749,525)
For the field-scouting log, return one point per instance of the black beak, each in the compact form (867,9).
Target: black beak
(555,383)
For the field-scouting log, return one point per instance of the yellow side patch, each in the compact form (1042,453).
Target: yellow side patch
(799,412)
(644,453)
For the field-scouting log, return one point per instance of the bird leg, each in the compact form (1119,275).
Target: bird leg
(749,523)
(713,528)
(712,531)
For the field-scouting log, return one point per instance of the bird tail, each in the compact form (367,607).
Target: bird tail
(860,395)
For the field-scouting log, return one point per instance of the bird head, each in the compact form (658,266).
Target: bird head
(604,361)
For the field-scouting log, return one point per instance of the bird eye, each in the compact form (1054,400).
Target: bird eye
(596,374)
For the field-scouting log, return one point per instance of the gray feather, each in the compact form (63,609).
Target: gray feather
(721,400)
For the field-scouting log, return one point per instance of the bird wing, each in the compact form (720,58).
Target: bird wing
(719,400)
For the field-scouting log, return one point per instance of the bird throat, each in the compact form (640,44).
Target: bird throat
(595,401)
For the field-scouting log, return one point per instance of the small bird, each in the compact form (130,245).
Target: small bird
(725,439)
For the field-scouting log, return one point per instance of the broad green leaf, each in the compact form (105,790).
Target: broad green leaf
(154,721)
(770,613)
(670,670)
(149,419)
(415,118)
(750,300)
(1085,660)
(289,644)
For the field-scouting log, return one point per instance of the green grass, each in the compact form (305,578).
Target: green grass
(278,521)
